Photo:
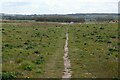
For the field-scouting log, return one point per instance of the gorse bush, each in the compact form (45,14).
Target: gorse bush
(28,68)
(40,60)
(112,50)
(27,65)
(8,75)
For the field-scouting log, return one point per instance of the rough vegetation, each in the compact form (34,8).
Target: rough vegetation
(33,50)
(93,50)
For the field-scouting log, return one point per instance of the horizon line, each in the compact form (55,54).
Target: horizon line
(58,13)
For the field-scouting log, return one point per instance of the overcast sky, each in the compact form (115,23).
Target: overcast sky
(58,6)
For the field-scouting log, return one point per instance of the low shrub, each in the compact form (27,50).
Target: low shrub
(8,75)
(28,68)
(40,60)
(27,65)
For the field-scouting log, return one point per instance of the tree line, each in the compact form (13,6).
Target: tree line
(60,19)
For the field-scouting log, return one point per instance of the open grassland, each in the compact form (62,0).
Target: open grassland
(93,50)
(35,50)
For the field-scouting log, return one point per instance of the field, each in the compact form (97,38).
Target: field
(94,50)
(36,50)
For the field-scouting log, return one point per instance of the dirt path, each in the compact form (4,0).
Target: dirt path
(67,65)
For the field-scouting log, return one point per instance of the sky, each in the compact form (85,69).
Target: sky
(58,6)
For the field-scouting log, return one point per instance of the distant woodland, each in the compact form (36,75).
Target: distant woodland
(79,18)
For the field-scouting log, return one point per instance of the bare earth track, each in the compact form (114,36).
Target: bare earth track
(67,65)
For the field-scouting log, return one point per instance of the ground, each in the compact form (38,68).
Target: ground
(36,50)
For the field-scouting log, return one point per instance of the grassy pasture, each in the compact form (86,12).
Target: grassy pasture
(93,50)
(36,50)
(29,49)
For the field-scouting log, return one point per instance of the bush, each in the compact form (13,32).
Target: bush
(27,65)
(36,52)
(40,60)
(28,68)
(8,75)
(112,49)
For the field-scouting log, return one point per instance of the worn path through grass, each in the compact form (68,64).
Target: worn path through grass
(67,65)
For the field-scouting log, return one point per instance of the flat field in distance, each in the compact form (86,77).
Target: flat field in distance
(35,50)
